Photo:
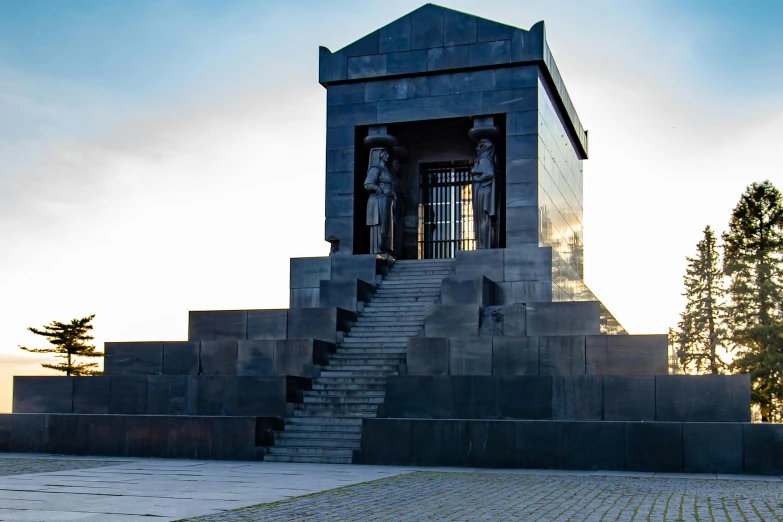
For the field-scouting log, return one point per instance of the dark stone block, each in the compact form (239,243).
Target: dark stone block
(522,218)
(91,394)
(629,397)
(478,291)
(396,36)
(266,324)
(133,358)
(65,435)
(345,294)
(166,394)
(351,115)
(562,355)
(490,444)
(451,321)
(523,292)
(210,395)
(305,298)
(518,147)
(407,62)
(146,436)
(511,100)
(128,394)
(364,267)
(470,356)
(446,58)
(522,195)
(343,93)
(256,358)
(458,28)
(341,137)
(340,160)
(489,31)
(541,444)
(653,446)
(339,183)
(564,318)
(342,229)
(438,443)
(762,448)
(477,263)
(386,442)
(472,81)
(367,66)
(475,397)
(577,397)
(490,53)
(299,357)
(518,78)
(528,397)
(521,237)
(514,356)
(394,89)
(261,396)
(332,67)
(369,44)
(527,263)
(712,447)
(43,395)
(627,354)
(339,205)
(433,108)
(427,27)
(219,357)
(523,170)
(318,323)
(307,272)
(428,356)
(436,85)
(702,398)
(596,445)
(419,397)
(217,325)
(506,320)
(181,357)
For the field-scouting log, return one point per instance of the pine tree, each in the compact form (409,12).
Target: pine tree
(701,334)
(752,260)
(70,341)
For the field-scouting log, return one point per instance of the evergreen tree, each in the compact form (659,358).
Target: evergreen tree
(70,341)
(701,334)
(752,260)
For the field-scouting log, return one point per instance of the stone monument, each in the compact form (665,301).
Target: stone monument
(449,324)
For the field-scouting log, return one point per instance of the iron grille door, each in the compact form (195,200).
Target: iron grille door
(446,210)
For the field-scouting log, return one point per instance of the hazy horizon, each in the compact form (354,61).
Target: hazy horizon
(150,151)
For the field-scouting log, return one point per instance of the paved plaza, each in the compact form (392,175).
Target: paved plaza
(46,488)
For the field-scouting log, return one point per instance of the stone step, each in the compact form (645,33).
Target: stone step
(423,262)
(357,353)
(335,407)
(340,414)
(370,327)
(335,423)
(376,335)
(317,443)
(330,392)
(428,273)
(365,361)
(314,459)
(383,318)
(333,435)
(349,387)
(397,342)
(410,308)
(412,290)
(402,300)
(361,339)
(375,381)
(329,373)
(342,430)
(343,400)
(357,350)
(337,367)
(314,451)
(403,284)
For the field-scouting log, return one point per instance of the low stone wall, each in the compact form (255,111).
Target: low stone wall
(222,438)
(676,398)
(623,446)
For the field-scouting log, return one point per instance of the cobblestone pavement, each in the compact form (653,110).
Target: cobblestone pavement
(495,496)
(23,466)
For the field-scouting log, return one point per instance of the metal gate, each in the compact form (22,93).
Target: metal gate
(446,209)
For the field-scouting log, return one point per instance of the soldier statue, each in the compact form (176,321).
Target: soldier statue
(484,200)
(380,183)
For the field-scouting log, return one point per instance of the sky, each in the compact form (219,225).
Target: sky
(164,156)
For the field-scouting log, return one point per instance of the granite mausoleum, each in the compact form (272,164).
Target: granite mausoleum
(448,326)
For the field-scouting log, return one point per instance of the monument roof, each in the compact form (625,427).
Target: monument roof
(434,39)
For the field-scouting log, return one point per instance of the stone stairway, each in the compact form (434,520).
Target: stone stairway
(327,426)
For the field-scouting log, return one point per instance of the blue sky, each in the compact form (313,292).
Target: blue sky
(146,148)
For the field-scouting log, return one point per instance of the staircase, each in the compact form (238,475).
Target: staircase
(327,426)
